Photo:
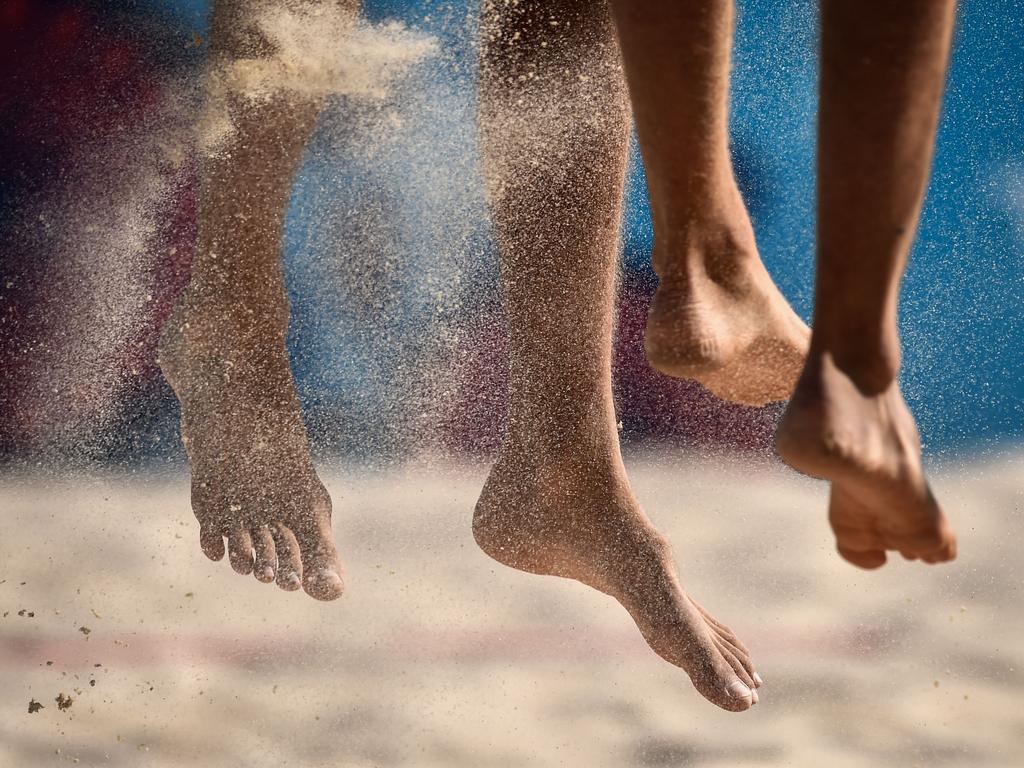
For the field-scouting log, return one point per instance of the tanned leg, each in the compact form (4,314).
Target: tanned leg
(717,316)
(882,72)
(554,126)
(223,349)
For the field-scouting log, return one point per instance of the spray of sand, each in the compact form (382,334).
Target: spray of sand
(99,229)
(318,52)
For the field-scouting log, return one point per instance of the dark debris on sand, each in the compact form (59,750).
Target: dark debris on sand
(34,706)
(64,701)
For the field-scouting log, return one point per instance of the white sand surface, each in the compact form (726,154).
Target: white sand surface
(438,656)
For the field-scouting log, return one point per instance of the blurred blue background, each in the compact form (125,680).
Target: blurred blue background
(961,308)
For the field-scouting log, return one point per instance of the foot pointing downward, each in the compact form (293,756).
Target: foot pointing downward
(867,444)
(253,481)
(569,519)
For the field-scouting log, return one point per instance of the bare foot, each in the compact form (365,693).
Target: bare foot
(868,446)
(718,317)
(574,520)
(253,480)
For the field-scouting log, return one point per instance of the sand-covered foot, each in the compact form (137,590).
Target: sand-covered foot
(253,481)
(718,317)
(867,444)
(571,519)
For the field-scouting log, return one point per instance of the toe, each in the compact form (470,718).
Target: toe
(738,667)
(240,550)
(730,637)
(858,538)
(719,683)
(868,559)
(289,565)
(944,553)
(743,657)
(211,542)
(321,567)
(266,554)
(721,629)
(740,697)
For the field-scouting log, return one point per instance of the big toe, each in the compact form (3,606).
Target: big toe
(869,559)
(323,583)
(321,566)
(726,690)
(719,680)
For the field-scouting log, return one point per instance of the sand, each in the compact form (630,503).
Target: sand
(438,656)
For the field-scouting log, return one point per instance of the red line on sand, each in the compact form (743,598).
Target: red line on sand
(541,644)
(139,650)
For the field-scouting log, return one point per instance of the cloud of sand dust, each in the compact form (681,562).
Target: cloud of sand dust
(99,228)
(318,52)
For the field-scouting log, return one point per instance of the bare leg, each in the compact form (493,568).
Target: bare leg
(883,66)
(554,129)
(717,316)
(223,349)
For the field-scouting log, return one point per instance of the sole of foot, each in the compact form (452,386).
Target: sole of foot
(253,480)
(727,327)
(867,444)
(560,520)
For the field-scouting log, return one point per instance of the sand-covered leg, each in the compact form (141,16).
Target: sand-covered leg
(223,349)
(717,316)
(554,123)
(883,67)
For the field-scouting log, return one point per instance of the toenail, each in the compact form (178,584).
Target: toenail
(268,573)
(753,696)
(739,691)
(757,679)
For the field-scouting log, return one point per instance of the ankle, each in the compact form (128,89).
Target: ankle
(538,453)
(722,253)
(871,367)
(715,238)
(204,339)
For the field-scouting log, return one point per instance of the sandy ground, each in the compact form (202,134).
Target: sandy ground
(439,657)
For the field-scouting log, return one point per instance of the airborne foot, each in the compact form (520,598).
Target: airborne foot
(571,519)
(253,481)
(718,318)
(867,444)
